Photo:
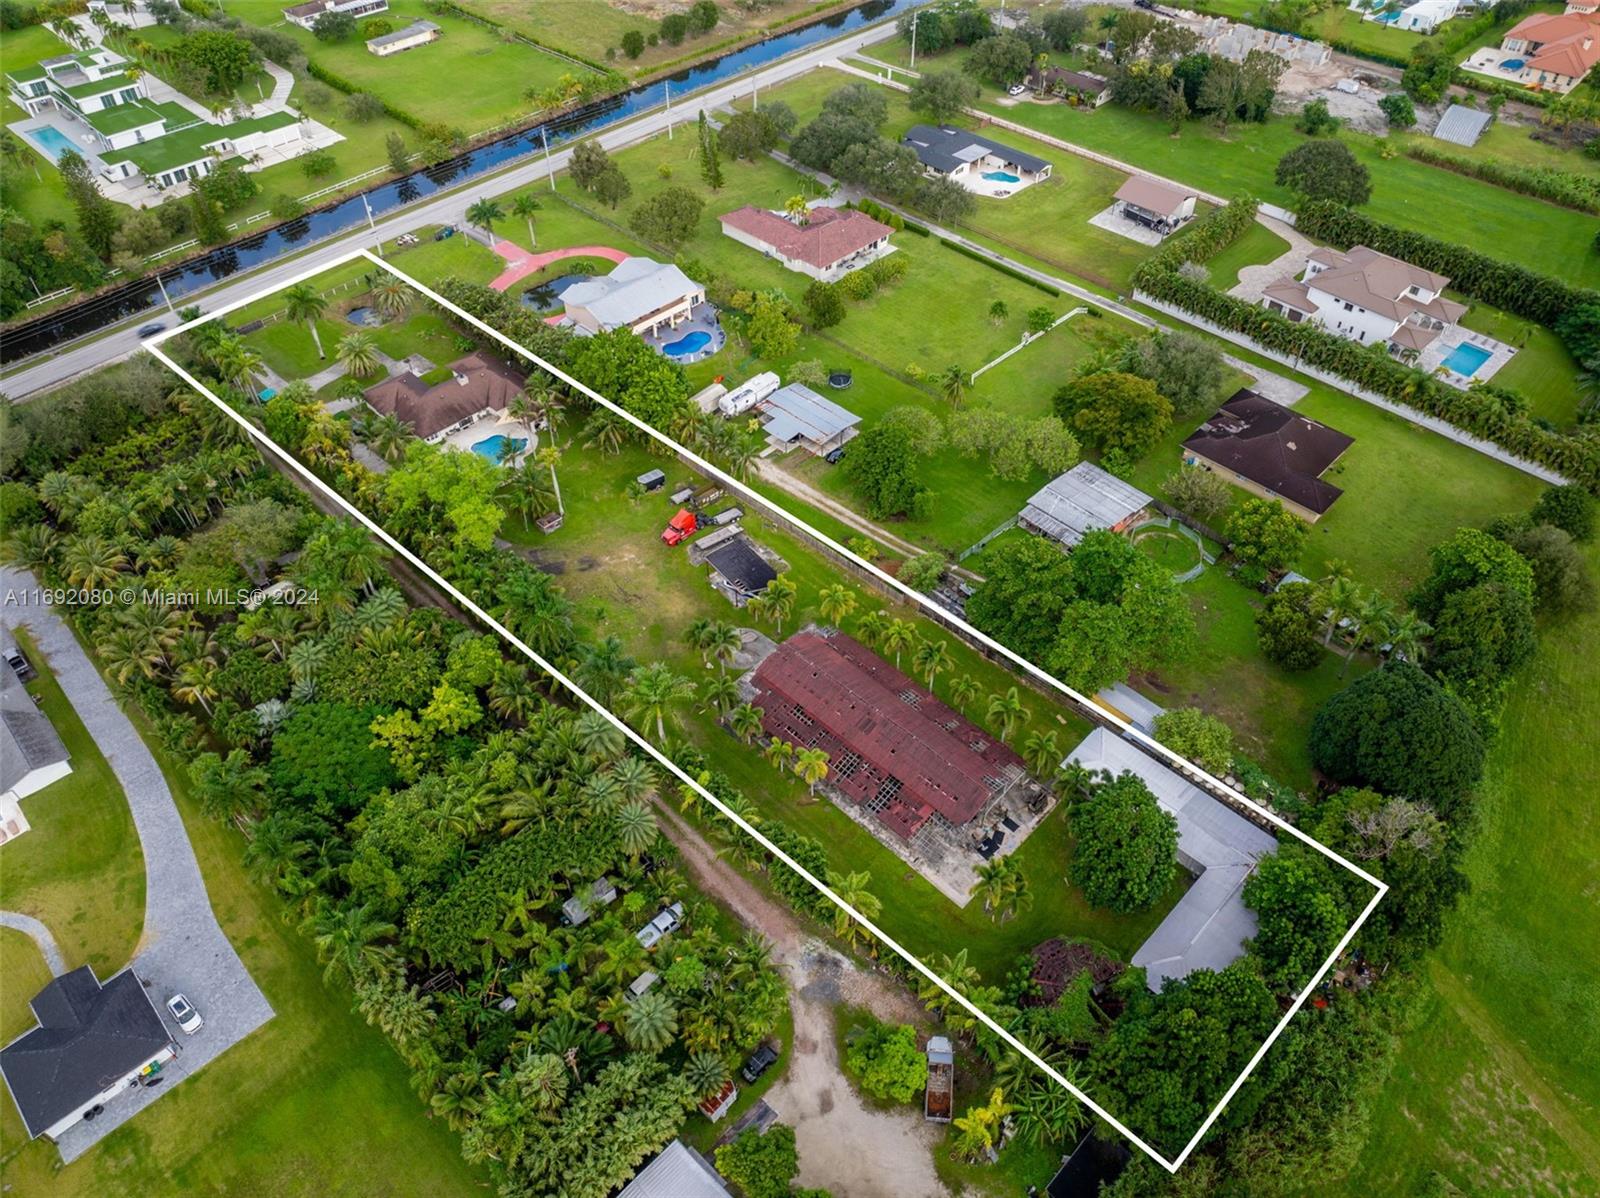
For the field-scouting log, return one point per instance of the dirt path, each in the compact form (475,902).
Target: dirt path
(1574,1132)
(845,1146)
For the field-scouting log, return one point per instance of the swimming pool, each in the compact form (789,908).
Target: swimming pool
(1466,359)
(1512,64)
(367,318)
(499,446)
(1002,177)
(52,142)
(693,343)
(1389,18)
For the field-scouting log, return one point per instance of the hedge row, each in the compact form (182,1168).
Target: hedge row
(1567,188)
(1496,87)
(1479,412)
(341,84)
(1000,266)
(1517,289)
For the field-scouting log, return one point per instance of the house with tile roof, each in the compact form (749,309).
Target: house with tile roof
(32,755)
(1154,204)
(1552,51)
(1368,297)
(1270,451)
(826,244)
(477,386)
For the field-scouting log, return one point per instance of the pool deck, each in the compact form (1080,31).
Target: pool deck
(464,439)
(705,321)
(1432,359)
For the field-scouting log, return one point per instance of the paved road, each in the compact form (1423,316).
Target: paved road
(40,935)
(183,949)
(50,370)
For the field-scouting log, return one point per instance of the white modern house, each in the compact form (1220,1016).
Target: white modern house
(640,294)
(1426,15)
(1368,297)
(82,83)
(31,753)
(305,15)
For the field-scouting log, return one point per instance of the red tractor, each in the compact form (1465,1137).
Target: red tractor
(680,528)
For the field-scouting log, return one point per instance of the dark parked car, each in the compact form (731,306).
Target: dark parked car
(151,329)
(760,1061)
(832,456)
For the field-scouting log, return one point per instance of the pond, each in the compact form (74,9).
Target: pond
(546,296)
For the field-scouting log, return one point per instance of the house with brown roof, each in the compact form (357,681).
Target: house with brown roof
(1270,451)
(1548,51)
(476,386)
(1368,297)
(826,243)
(1078,87)
(1155,205)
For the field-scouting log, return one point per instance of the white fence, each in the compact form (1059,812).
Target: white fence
(1027,339)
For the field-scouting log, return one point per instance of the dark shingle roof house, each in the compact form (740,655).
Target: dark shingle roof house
(946,149)
(92,1042)
(892,746)
(478,383)
(1272,451)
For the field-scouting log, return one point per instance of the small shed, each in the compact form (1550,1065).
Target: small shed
(715,1106)
(1082,500)
(652,480)
(1462,125)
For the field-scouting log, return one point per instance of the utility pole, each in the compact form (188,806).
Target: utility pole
(544,136)
(914,17)
(164,294)
(371,225)
(669,110)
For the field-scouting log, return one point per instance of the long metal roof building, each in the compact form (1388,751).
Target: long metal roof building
(1082,500)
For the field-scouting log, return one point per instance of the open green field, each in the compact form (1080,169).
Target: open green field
(470,79)
(1497,1086)
(1538,235)
(1259,245)
(314,1103)
(79,870)
(23,973)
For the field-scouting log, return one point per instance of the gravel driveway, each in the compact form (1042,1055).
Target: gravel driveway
(182,949)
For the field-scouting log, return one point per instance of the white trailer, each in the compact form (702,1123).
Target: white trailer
(741,399)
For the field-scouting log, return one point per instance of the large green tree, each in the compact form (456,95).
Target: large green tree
(1127,850)
(1113,410)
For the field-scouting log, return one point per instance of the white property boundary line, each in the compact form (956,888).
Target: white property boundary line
(1172,1165)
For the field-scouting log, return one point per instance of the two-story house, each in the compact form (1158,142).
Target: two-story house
(1367,297)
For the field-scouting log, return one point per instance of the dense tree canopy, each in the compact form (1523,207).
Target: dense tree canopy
(1126,855)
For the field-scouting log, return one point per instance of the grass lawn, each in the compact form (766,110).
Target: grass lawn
(79,870)
(1498,1084)
(1258,246)
(34,189)
(25,974)
(469,78)
(287,1111)
(1538,235)
(1542,369)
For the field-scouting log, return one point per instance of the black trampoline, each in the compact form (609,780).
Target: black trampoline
(745,570)
(840,379)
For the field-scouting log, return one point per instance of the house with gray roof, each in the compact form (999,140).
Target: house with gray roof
(1082,500)
(797,415)
(640,294)
(1210,924)
(31,753)
(678,1171)
(978,163)
(1462,125)
(93,1043)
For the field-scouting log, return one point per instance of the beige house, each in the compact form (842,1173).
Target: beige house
(418,33)
(640,294)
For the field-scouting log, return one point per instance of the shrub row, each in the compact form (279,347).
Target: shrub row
(1480,412)
(1000,266)
(1567,188)
(1517,289)
(1496,87)
(341,84)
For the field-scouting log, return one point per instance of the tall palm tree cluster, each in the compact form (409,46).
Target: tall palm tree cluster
(1365,618)
(434,894)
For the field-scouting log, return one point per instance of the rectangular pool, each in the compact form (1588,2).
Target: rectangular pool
(1466,359)
(50,142)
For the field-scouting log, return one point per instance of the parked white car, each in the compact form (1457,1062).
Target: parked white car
(184,1014)
(1016,89)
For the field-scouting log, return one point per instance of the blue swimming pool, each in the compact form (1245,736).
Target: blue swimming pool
(52,141)
(1002,177)
(498,446)
(1512,64)
(1389,18)
(1466,359)
(368,318)
(266,393)
(693,343)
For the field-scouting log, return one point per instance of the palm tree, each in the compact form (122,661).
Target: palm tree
(606,431)
(391,295)
(636,828)
(722,643)
(812,766)
(650,1022)
(953,385)
(836,602)
(852,891)
(654,691)
(777,601)
(796,209)
(1376,614)
(349,940)
(1343,597)
(871,627)
(899,636)
(525,205)
(1005,710)
(301,302)
(1407,632)
(528,493)
(484,213)
(931,659)
(977,1130)
(92,562)
(1041,753)
(1004,888)
(778,753)
(126,655)
(719,692)
(358,354)
(388,436)
(706,1073)
(745,720)
(32,547)
(197,682)
(964,690)
(526,408)
(548,457)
